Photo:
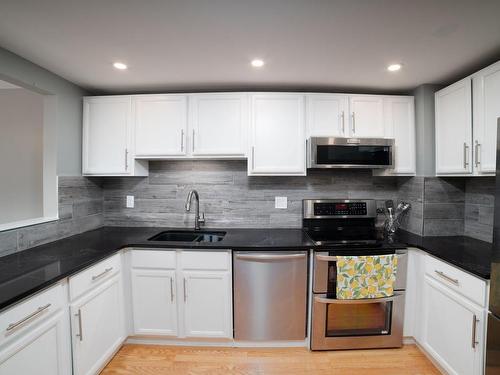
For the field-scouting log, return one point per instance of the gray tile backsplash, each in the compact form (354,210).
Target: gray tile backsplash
(80,210)
(228,196)
(479,206)
(440,206)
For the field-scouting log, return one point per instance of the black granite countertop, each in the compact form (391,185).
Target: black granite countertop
(32,270)
(469,254)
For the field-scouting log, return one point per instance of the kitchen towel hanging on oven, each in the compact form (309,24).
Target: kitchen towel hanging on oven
(360,277)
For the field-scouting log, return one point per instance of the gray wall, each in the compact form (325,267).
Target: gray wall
(80,210)
(21,155)
(68,114)
(228,196)
(424,125)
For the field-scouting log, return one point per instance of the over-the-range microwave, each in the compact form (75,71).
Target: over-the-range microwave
(331,152)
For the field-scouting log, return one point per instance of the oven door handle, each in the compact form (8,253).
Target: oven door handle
(325,300)
(326,258)
(330,258)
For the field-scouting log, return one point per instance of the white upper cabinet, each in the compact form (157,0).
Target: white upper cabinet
(327,115)
(277,135)
(160,125)
(454,129)
(399,118)
(486,111)
(106,137)
(219,124)
(366,117)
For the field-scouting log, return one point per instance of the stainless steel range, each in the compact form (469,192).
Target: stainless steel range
(347,227)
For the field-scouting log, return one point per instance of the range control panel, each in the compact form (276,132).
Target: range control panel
(340,209)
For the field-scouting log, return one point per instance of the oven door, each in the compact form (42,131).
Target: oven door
(325,271)
(350,153)
(357,324)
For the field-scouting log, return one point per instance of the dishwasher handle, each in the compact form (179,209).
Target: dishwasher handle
(258,257)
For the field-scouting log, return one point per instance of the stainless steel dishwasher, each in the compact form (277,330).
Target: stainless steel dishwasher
(270,295)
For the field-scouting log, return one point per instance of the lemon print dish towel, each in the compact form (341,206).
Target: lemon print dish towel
(361,277)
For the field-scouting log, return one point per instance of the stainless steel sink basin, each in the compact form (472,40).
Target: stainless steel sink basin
(188,236)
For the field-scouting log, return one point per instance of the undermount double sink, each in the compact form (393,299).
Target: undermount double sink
(188,236)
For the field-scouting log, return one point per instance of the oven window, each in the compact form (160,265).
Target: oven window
(365,319)
(361,155)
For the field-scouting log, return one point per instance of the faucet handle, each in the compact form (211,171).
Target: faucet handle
(201,219)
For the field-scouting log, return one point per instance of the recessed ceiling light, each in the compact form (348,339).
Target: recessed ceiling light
(120,66)
(257,63)
(394,67)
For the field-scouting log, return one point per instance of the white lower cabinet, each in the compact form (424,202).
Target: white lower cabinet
(98,328)
(207,304)
(36,337)
(154,302)
(446,312)
(452,329)
(180,293)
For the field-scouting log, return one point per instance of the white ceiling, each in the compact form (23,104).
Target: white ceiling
(207,44)
(7,86)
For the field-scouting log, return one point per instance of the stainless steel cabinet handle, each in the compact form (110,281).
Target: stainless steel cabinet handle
(126,159)
(270,256)
(102,274)
(474,331)
(171,289)
(182,140)
(38,311)
(185,290)
(476,149)
(353,123)
(80,331)
(342,116)
(193,140)
(466,163)
(446,277)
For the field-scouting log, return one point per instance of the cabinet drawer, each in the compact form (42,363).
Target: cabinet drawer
(30,312)
(457,280)
(153,259)
(205,260)
(93,276)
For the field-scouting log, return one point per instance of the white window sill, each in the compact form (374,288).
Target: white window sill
(26,223)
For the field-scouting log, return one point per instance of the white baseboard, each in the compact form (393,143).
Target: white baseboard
(230,343)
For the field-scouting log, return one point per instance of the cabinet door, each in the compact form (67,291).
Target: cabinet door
(106,124)
(154,302)
(327,115)
(399,114)
(43,350)
(219,124)
(160,125)
(207,304)
(452,329)
(486,107)
(98,327)
(277,135)
(366,116)
(454,128)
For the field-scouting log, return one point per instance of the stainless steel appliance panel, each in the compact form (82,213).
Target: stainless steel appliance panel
(270,295)
(321,264)
(493,346)
(495,263)
(393,338)
(332,152)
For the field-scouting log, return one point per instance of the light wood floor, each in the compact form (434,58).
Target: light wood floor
(161,360)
